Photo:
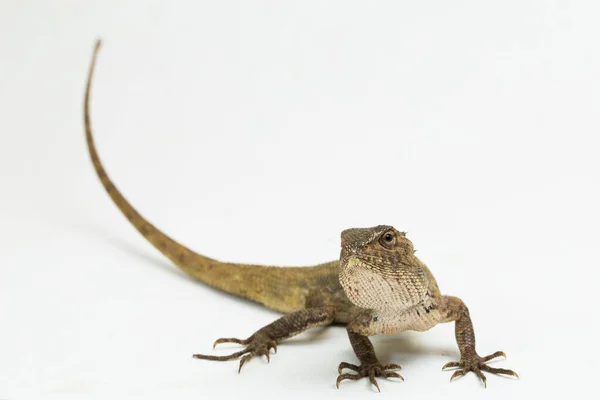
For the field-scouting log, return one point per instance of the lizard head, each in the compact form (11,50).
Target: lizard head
(378,269)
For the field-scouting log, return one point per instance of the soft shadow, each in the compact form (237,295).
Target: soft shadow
(310,337)
(407,347)
(164,265)
(157,262)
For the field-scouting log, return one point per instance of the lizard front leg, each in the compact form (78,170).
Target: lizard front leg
(266,338)
(456,310)
(369,364)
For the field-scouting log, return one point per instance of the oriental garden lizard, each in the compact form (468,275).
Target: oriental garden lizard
(377,287)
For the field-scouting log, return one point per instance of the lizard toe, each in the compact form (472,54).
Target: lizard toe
(257,345)
(476,364)
(370,371)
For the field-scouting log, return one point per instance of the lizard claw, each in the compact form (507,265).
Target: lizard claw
(368,371)
(476,364)
(247,357)
(452,364)
(258,344)
(348,366)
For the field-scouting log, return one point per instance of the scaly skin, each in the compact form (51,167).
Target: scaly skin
(378,287)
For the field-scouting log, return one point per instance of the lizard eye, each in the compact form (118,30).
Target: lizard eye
(387,240)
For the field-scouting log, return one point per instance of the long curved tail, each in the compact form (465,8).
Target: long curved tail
(281,289)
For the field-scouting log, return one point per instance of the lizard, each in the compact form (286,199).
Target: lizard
(377,287)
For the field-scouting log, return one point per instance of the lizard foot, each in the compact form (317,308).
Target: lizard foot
(477,364)
(258,345)
(371,371)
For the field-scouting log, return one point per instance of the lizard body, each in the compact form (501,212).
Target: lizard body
(378,286)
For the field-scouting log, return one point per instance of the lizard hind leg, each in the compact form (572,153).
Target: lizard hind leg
(266,338)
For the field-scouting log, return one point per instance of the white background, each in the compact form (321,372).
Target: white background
(255,131)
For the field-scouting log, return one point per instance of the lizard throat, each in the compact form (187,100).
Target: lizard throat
(382,287)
